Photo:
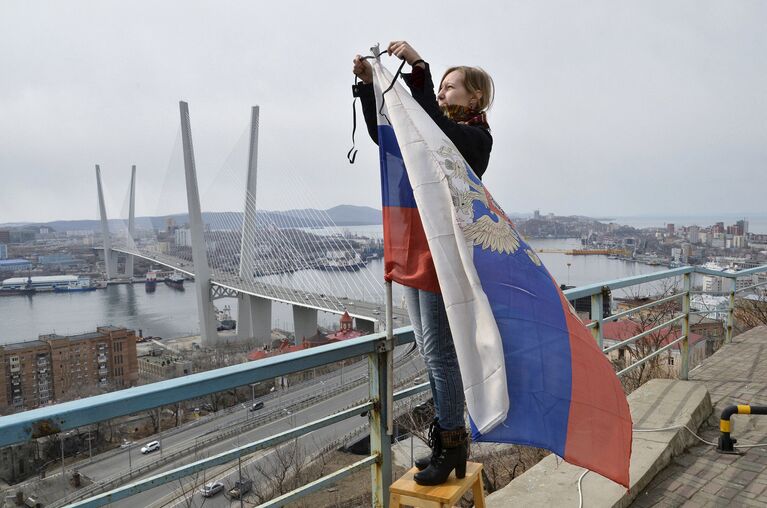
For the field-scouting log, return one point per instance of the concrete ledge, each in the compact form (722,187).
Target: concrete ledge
(659,403)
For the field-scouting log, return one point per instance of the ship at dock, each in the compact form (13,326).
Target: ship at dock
(150,281)
(46,284)
(347,261)
(175,280)
(81,284)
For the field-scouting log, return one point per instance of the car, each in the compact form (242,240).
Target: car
(211,489)
(151,446)
(126,444)
(257,406)
(241,487)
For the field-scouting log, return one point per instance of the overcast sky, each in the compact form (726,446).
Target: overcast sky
(603,108)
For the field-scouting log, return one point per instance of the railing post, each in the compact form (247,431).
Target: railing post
(596,315)
(684,369)
(380,443)
(731,310)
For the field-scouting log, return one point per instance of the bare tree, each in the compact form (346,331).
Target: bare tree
(417,418)
(285,468)
(750,313)
(641,321)
(189,485)
(501,464)
(154,418)
(176,410)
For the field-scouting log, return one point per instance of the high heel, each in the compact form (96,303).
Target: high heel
(460,469)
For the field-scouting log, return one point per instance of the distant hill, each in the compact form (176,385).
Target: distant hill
(341,215)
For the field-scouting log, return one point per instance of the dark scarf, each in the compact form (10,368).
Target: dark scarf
(464,115)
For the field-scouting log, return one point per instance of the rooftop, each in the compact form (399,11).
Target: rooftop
(167,359)
(42,279)
(111,328)
(101,331)
(24,345)
(10,262)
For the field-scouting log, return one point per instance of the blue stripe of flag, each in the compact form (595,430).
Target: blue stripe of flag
(396,190)
(536,343)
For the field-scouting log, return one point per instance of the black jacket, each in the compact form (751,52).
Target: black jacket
(474,142)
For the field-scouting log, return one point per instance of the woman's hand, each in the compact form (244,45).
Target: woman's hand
(403,51)
(363,70)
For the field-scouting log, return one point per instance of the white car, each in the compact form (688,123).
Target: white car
(126,444)
(211,489)
(151,446)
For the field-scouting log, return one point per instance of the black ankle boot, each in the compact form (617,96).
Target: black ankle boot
(433,441)
(452,455)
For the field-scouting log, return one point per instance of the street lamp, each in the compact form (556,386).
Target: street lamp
(63,479)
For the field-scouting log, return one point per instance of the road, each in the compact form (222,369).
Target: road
(193,437)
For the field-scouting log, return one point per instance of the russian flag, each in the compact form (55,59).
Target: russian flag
(407,259)
(532,372)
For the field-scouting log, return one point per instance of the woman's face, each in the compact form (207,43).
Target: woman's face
(452,91)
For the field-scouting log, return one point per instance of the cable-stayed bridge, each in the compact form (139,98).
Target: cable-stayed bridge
(249,256)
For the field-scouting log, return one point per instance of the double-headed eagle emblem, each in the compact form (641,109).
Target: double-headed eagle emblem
(482,221)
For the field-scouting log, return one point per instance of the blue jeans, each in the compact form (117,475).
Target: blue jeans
(435,343)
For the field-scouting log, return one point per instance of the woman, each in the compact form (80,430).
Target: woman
(458,109)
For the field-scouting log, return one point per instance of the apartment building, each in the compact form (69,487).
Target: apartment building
(158,366)
(58,367)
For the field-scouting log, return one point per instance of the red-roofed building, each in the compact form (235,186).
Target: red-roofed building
(346,332)
(284,347)
(618,331)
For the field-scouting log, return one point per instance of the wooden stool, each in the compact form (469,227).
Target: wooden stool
(406,492)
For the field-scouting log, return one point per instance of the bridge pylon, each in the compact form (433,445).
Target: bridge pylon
(208,333)
(304,323)
(109,257)
(254,314)
(131,222)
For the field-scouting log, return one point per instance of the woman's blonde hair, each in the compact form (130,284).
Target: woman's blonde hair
(475,79)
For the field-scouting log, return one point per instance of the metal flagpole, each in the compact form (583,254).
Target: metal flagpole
(389,362)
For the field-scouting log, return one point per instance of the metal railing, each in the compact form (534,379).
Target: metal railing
(598,291)
(70,415)
(61,417)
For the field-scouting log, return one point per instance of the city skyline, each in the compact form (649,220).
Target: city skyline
(602,109)
(703,220)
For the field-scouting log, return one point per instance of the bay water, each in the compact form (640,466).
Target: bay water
(171,313)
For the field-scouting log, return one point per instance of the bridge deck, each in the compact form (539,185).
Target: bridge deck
(736,374)
(371,311)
